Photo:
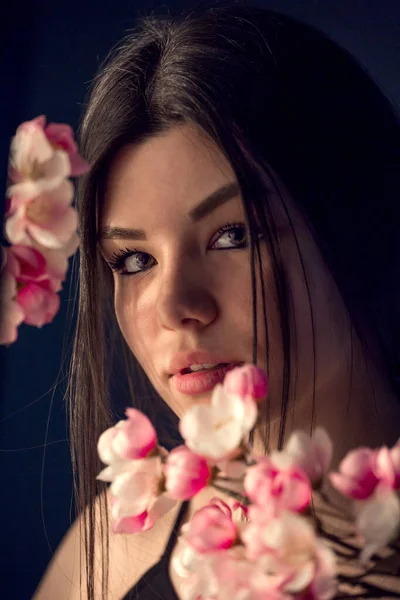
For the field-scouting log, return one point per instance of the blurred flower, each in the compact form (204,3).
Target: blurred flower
(210,529)
(40,223)
(186,473)
(61,136)
(144,520)
(39,302)
(294,553)
(42,157)
(216,430)
(312,454)
(136,487)
(363,469)
(231,575)
(47,219)
(36,293)
(282,489)
(247,381)
(135,436)
(36,166)
(378,520)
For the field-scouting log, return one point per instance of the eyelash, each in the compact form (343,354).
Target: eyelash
(116,261)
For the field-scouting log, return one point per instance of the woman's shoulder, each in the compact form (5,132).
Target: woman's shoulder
(130,556)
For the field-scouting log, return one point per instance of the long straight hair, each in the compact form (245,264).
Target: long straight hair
(276,96)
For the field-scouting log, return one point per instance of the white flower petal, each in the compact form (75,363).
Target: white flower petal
(378,521)
(217,443)
(104,447)
(15,228)
(133,492)
(302,578)
(282,460)
(106,475)
(30,145)
(44,237)
(190,588)
(216,429)
(54,173)
(325,585)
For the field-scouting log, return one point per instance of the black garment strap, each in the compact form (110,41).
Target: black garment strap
(175,531)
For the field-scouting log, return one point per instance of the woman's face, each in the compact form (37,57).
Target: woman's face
(182,272)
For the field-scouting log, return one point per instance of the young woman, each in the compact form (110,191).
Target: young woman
(242,206)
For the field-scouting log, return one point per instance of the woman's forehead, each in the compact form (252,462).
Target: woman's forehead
(180,166)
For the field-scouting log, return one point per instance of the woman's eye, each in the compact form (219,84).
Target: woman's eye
(137,261)
(130,262)
(231,235)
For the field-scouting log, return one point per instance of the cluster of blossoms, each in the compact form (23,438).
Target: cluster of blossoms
(40,224)
(273,552)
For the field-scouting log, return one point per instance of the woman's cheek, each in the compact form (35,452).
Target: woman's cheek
(134,310)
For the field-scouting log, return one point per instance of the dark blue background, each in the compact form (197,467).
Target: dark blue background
(49,52)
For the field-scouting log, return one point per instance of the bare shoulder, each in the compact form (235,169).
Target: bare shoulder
(130,556)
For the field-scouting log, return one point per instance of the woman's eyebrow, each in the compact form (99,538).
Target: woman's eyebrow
(223,194)
(215,199)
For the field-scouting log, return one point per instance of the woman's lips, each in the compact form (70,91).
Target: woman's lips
(200,382)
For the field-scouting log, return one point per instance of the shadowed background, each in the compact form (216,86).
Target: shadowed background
(49,53)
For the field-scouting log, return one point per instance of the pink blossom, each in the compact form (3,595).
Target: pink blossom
(285,489)
(231,575)
(39,302)
(252,533)
(11,312)
(210,529)
(216,430)
(134,524)
(137,486)
(312,454)
(371,477)
(186,473)
(47,219)
(219,503)
(61,136)
(384,467)
(247,381)
(378,520)
(41,157)
(118,446)
(36,290)
(28,263)
(294,553)
(36,166)
(357,477)
(57,261)
(143,521)
(135,436)
(191,568)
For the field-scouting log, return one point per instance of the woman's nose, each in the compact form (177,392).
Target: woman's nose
(185,300)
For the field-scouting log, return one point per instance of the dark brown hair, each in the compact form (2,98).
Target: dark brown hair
(271,93)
